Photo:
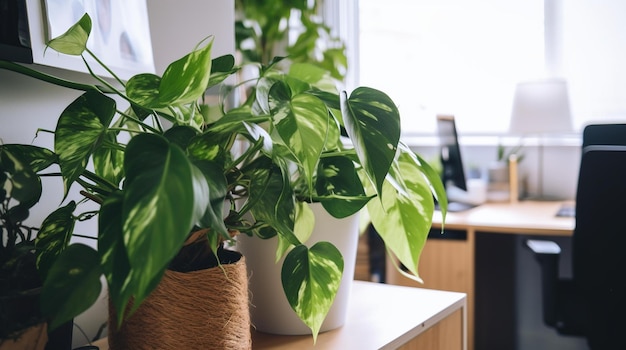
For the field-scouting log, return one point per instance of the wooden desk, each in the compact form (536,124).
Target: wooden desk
(524,217)
(450,264)
(382,316)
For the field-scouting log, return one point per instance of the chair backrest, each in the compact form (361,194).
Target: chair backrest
(600,243)
(604,134)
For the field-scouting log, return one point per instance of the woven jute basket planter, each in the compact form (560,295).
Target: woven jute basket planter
(34,338)
(202,309)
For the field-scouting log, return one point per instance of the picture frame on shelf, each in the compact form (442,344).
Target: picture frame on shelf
(120,34)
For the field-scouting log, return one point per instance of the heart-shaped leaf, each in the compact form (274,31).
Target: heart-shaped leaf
(143,89)
(372,122)
(24,184)
(34,157)
(74,40)
(73,284)
(404,216)
(221,68)
(272,197)
(186,79)
(81,129)
(54,236)
(311,279)
(340,187)
(159,207)
(302,121)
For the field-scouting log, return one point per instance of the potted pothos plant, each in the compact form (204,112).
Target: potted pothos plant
(165,167)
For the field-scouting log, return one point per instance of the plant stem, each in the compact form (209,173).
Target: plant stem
(92,197)
(104,66)
(250,151)
(139,122)
(113,90)
(99,180)
(83,236)
(50,78)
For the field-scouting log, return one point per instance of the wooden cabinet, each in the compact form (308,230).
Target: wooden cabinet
(475,255)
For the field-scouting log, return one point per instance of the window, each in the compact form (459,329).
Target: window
(593,56)
(450,56)
(465,57)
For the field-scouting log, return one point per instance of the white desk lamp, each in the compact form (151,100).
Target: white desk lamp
(541,107)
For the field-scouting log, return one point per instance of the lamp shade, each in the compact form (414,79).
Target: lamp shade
(541,107)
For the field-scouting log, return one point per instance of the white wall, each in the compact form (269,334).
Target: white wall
(27,104)
(177,26)
(561,161)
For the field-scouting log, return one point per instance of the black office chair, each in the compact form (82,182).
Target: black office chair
(604,134)
(593,302)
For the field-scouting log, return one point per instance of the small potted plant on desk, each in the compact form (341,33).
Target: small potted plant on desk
(165,170)
(22,324)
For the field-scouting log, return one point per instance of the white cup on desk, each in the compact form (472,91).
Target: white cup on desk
(476,193)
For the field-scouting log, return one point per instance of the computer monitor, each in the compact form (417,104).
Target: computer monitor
(453,176)
(450,153)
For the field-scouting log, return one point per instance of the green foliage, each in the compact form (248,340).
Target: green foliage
(163,169)
(20,191)
(504,154)
(262,32)
(311,278)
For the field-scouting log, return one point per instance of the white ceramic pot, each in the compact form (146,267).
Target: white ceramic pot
(269,310)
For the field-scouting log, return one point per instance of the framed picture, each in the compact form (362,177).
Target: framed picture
(120,34)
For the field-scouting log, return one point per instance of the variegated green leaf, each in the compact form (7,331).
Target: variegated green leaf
(438,189)
(24,185)
(311,279)
(159,207)
(372,121)
(262,93)
(74,40)
(108,162)
(81,129)
(307,72)
(302,121)
(273,197)
(54,236)
(143,89)
(313,75)
(404,216)
(340,187)
(186,79)
(222,68)
(303,228)
(36,158)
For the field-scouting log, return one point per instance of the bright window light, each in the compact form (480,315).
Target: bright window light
(451,56)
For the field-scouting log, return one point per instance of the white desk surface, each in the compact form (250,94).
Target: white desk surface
(380,316)
(523,217)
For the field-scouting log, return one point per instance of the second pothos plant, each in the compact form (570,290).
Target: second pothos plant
(163,168)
